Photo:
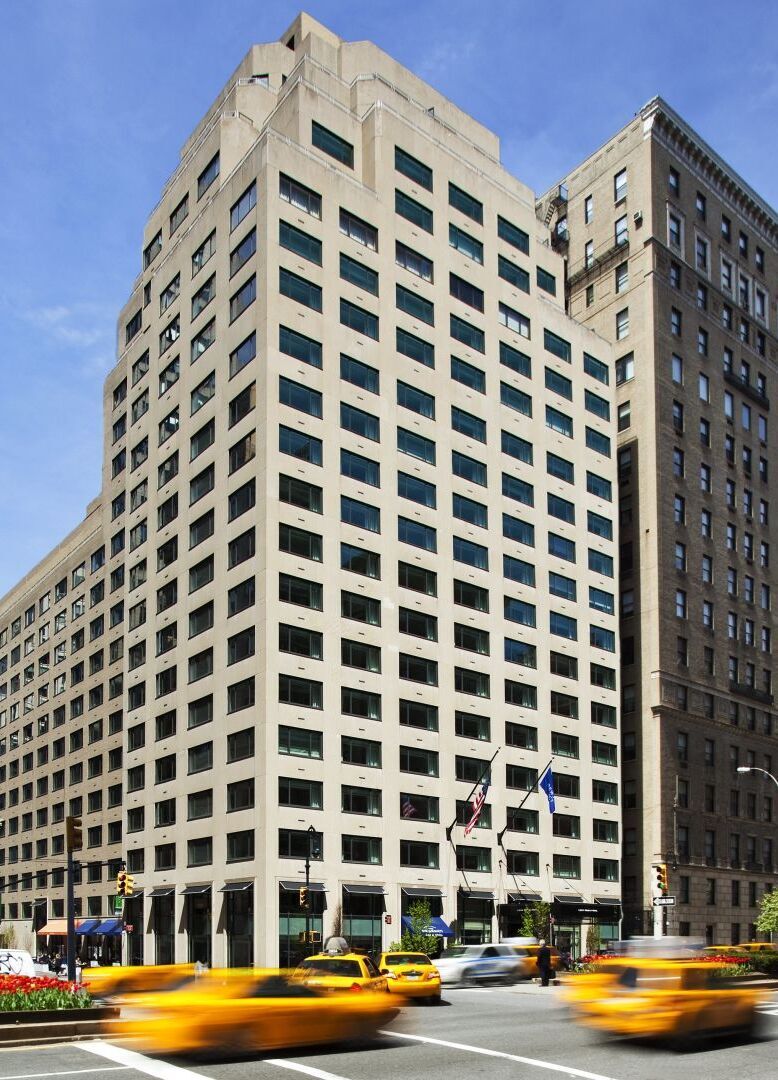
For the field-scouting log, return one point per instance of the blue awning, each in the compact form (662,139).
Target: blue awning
(86,926)
(112,927)
(436,928)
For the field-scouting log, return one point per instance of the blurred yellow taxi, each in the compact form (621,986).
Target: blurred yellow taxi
(528,960)
(679,1000)
(107,983)
(252,1011)
(750,947)
(344,971)
(412,974)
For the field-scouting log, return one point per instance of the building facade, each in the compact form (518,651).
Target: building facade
(672,257)
(348,321)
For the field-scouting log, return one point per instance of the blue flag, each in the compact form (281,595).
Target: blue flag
(546,782)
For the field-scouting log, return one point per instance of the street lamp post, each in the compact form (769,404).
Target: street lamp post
(308,854)
(755,768)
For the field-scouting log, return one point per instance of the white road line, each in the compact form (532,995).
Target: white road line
(567,1069)
(131,1059)
(163,1070)
(66,1072)
(295,1066)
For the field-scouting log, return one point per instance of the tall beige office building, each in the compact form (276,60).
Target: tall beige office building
(348,322)
(673,258)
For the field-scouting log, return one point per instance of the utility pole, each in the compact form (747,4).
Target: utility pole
(74,842)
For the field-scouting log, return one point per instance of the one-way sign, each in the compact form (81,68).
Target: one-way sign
(664,901)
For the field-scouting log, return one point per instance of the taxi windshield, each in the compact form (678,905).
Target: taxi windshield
(394,959)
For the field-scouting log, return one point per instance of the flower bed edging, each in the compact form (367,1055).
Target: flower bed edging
(58,1016)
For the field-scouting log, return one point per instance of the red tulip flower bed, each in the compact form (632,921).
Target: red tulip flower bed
(18,993)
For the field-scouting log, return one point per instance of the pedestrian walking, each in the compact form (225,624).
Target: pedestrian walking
(544,962)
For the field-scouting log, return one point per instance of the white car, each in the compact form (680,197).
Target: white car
(478,963)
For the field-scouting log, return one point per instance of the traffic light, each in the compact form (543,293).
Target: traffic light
(129,884)
(121,883)
(73,834)
(661,878)
(305,901)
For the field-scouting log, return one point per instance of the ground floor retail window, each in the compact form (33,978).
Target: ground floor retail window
(163,925)
(474,919)
(363,921)
(239,919)
(291,925)
(198,927)
(133,917)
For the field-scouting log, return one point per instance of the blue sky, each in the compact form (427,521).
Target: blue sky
(100,94)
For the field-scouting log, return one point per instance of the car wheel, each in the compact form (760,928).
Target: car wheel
(469,977)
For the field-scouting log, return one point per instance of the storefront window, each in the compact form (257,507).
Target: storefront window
(198,927)
(164,929)
(363,915)
(291,922)
(239,917)
(474,918)
(133,916)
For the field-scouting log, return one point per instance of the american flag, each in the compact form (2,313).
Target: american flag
(477,803)
(407,808)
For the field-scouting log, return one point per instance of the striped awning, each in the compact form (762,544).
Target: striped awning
(59,927)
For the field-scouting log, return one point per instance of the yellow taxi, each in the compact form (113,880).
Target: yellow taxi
(252,1010)
(680,1000)
(746,948)
(342,971)
(528,960)
(411,974)
(109,983)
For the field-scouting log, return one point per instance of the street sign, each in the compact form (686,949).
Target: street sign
(664,901)
(117,905)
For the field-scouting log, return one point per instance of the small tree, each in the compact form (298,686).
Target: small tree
(593,940)
(416,937)
(768,913)
(7,938)
(535,920)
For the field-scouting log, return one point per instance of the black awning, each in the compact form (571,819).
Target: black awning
(568,898)
(478,894)
(365,890)
(236,886)
(422,890)
(293,886)
(162,890)
(195,890)
(608,908)
(526,897)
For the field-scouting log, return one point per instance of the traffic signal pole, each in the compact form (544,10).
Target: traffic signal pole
(71,910)
(73,842)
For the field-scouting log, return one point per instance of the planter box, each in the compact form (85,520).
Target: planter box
(58,1016)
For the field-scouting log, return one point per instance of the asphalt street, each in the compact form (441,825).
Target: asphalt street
(494,1034)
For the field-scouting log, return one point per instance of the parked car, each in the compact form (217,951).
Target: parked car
(479,963)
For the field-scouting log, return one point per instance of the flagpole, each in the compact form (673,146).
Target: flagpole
(521,804)
(485,772)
